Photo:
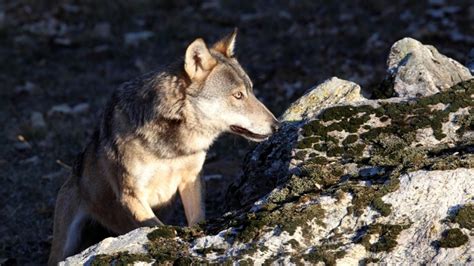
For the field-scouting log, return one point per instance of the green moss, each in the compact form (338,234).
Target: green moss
(294,219)
(453,238)
(252,226)
(331,139)
(300,155)
(366,261)
(383,208)
(314,128)
(169,251)
(466,123)
(319,147)
(294,243)
(288,218)
(120,259)
(364,196)
(387,237)
(334,127)
(246,262)
(355,123)
(162,231)
(269,261)
(325,253)
(451,162)
(371,134)
(211,249)
(364,109)
(307,142)
(323,175)
(465,216)
(384,119)
(384,89)
(355,151)
(162,248)
(335,151)
(337,113)
(350,139)
(318,160)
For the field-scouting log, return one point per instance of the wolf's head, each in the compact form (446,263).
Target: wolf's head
(222,92)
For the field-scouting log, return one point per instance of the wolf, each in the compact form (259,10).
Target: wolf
(151,142)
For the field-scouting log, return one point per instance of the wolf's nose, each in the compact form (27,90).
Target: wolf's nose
(276,125)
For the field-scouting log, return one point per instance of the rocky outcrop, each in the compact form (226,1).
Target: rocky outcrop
(420,70)
(331,92)
(346,180)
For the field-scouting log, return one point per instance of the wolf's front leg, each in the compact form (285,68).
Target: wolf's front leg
(191,194)
(139,210)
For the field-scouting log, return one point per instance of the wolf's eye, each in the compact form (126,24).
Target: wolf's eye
(238,95)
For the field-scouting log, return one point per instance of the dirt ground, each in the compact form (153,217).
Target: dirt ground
(60,60)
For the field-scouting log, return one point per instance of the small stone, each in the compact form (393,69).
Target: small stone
(134,38)
(37,120)
(32,160)
(102,30)
(60,109)
(80,108)
(63,41)
(28,88)
(22,146)
(101,49)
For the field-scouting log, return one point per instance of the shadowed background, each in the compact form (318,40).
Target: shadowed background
(60,60)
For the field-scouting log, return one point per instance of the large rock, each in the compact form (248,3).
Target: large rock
(332,91)
(268,164)
(356,181)
(420,70)
(133,242)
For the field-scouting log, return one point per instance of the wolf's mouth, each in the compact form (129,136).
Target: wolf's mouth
(247,133)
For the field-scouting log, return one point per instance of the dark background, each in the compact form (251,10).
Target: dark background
(75,52)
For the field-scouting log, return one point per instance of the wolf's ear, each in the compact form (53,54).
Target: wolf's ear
(198,61)
(226,45)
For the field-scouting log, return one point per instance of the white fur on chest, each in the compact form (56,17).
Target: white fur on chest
(199,142)
(158,179)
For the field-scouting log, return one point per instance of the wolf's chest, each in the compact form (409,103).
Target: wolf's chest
(159,179)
